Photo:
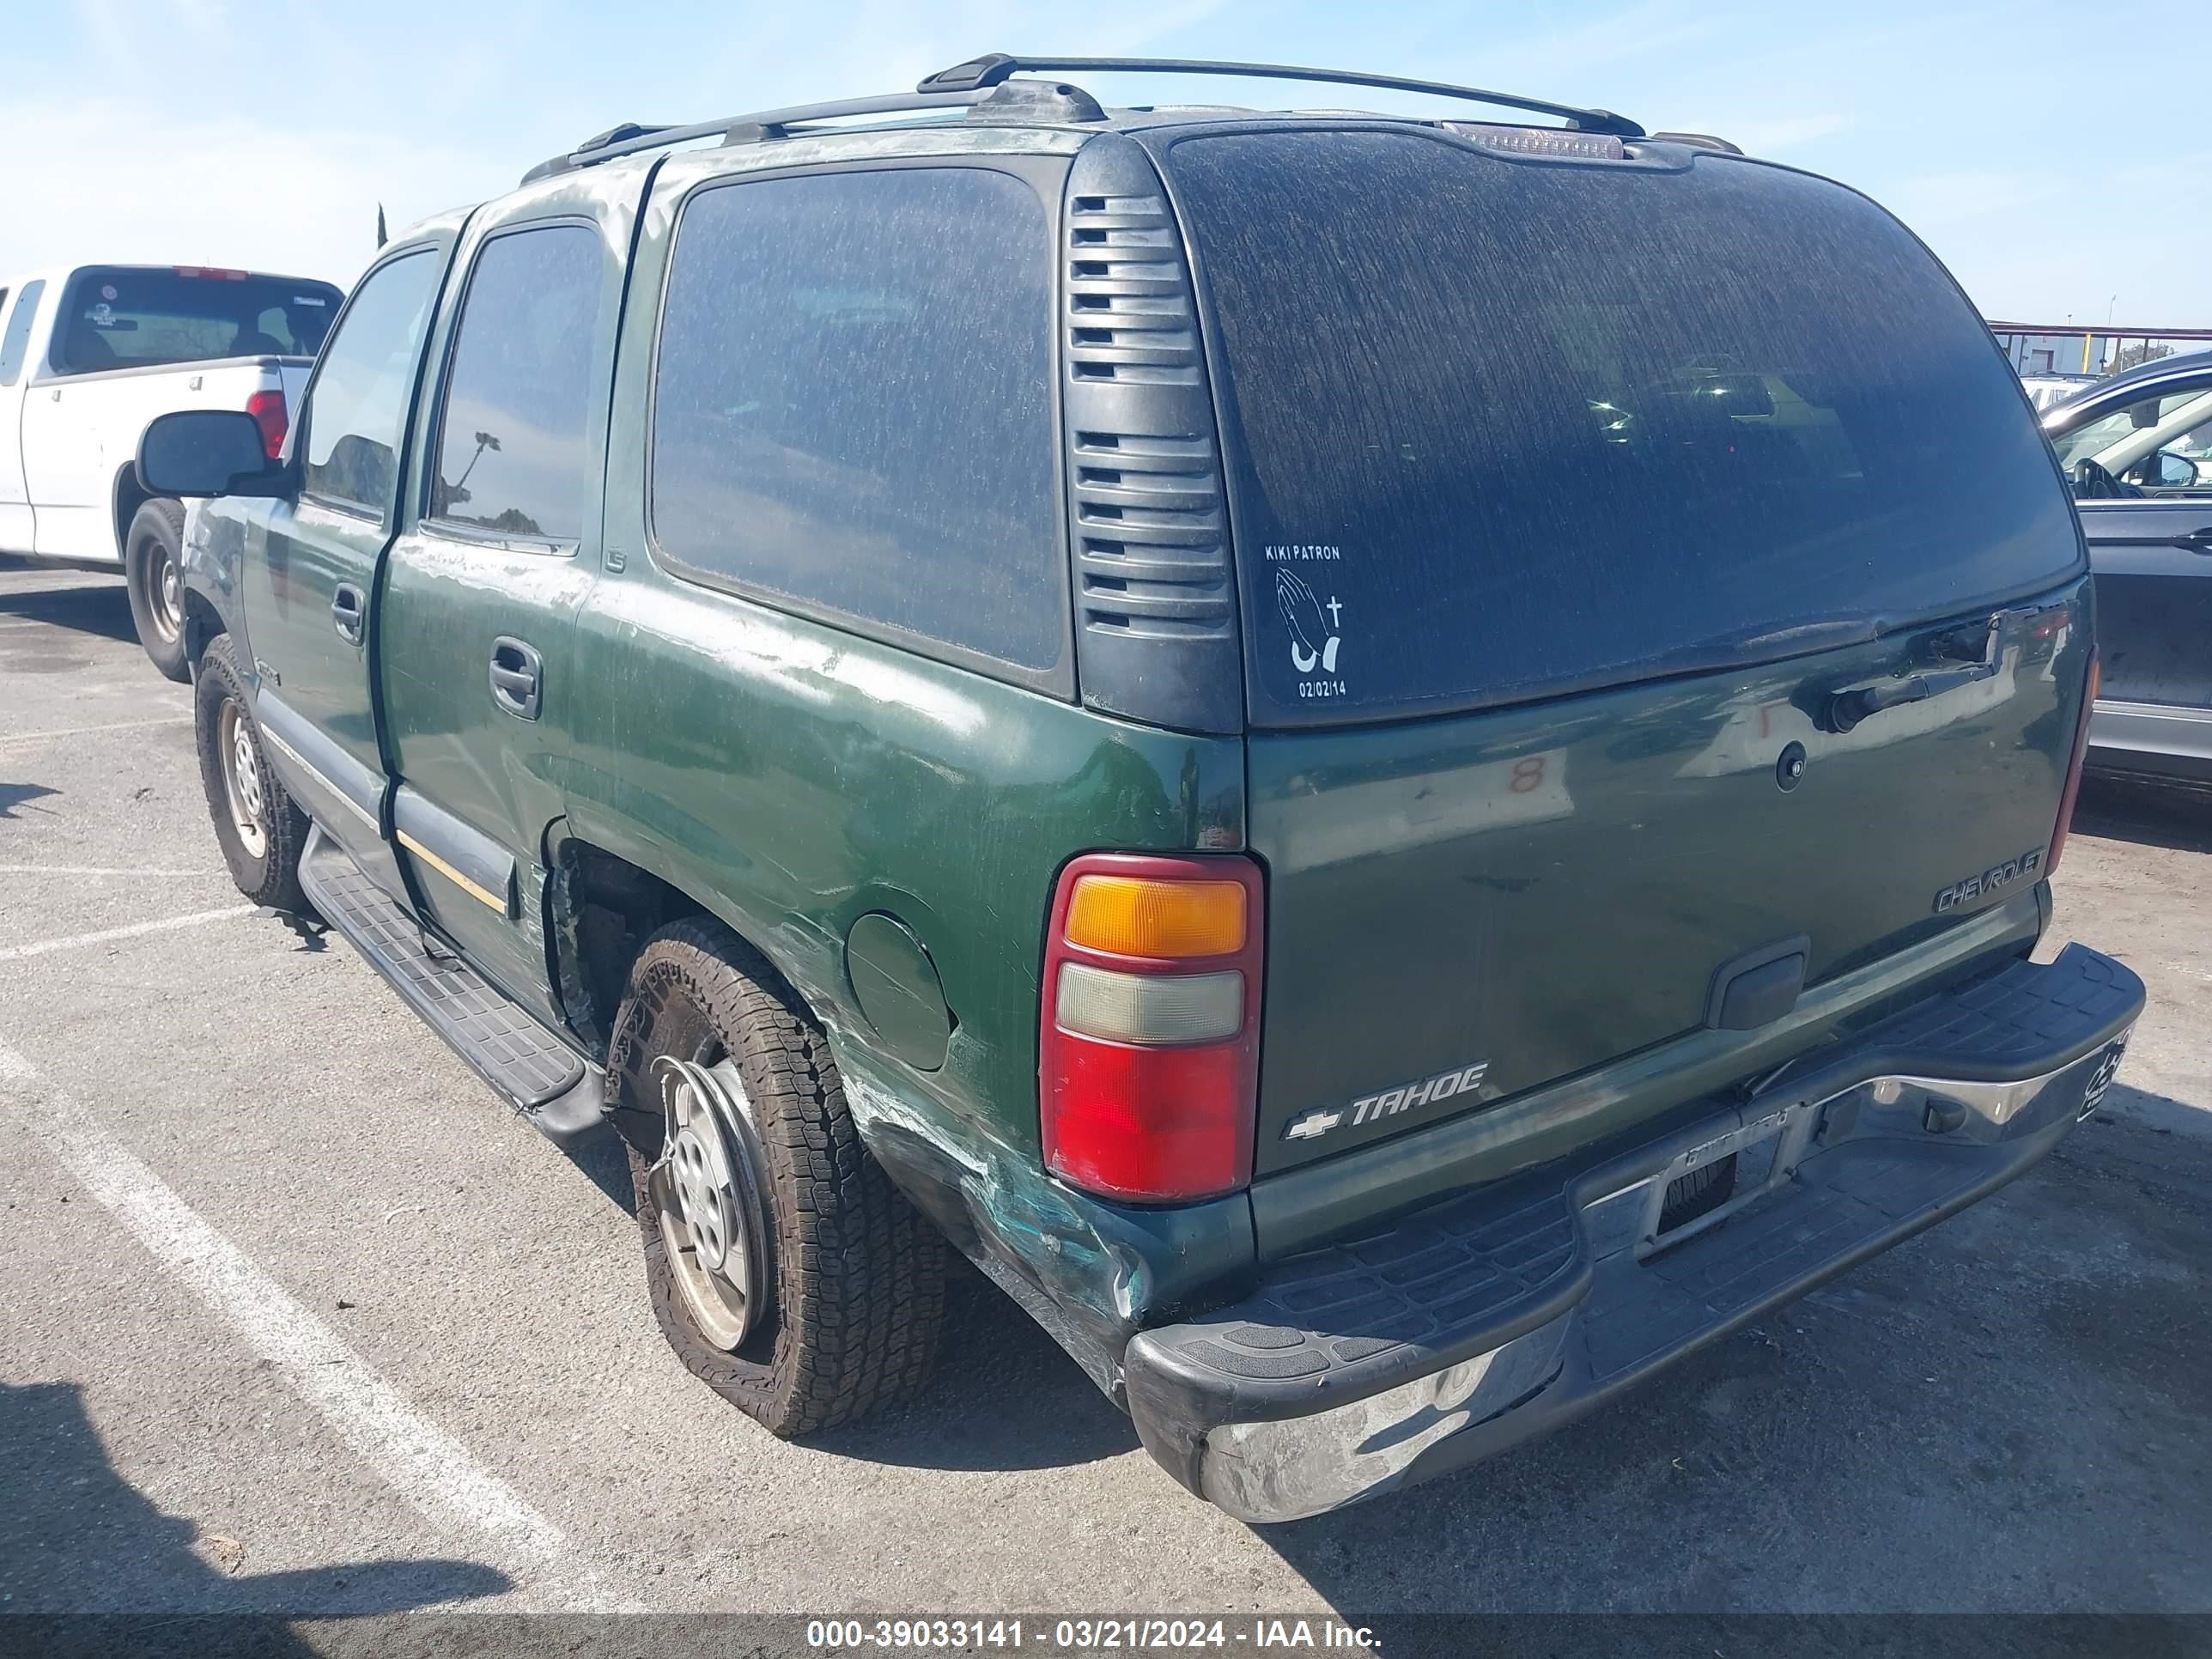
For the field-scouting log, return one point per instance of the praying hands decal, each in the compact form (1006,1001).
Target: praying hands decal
(1314,638)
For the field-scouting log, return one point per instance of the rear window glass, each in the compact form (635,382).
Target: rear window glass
(122,317)
(853,404)
(1498,427)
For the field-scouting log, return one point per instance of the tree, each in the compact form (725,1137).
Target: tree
(2130,356)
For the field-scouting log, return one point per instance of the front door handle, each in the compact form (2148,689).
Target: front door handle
(2196,541)
(518,676)
(346,613)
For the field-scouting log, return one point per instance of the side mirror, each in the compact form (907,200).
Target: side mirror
(2170,470)
(208,451)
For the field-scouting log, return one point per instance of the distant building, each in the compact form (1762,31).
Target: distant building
(2061,349)
(2057,354)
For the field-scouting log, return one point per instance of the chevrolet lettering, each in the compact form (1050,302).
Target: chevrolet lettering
(2000,875)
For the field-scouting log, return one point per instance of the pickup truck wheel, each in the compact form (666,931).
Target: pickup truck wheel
(786,1271)
(260,829)
(153,567)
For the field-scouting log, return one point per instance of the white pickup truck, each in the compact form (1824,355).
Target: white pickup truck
(88,355)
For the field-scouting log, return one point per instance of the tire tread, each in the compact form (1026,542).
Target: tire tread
(860,1273)
(168,659)
(272,880)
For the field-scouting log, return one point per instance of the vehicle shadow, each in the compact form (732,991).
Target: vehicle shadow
(1005,1397)
(13,795)
(95,604)
(2147,814)
(603,1159)
(77,1539)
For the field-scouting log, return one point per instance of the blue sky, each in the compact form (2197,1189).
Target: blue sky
(2013,138)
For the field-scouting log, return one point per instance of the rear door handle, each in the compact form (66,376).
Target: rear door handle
(346,614)
(2196,541)
(518,675)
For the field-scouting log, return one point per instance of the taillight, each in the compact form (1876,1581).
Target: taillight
(1150,1047)
(2074,768)
(268,410)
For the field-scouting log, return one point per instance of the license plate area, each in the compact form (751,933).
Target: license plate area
(1766,1151)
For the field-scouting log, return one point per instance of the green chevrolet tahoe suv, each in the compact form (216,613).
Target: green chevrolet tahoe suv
(1396,767)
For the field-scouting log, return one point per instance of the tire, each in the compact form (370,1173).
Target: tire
(152,550)
(854,1275)
(1703,1189)
(229,739)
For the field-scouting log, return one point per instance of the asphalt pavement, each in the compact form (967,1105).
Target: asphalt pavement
(296,1316)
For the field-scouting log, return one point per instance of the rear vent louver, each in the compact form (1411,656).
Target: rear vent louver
(1155,613)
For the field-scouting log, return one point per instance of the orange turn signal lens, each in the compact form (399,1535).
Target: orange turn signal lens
(1141,916)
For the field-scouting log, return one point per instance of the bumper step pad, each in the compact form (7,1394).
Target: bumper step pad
(540,1076)
(1521,1304)
(1860,1191)
(1377,1309)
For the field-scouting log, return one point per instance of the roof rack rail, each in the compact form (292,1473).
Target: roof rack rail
(630,138)
(993,68)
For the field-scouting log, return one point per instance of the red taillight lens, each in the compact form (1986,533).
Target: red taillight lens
(269,412)
(2074,768)
(1149,1123)
(1149,1051)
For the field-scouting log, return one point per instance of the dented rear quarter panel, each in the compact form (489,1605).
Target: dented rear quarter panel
(792,780)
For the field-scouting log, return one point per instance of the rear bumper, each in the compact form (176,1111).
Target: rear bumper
(2165,740)
(1496,1314)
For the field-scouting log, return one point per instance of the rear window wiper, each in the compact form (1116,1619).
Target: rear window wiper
(1847,709)
(1976,644)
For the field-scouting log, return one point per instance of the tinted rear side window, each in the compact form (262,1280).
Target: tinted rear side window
(122,317)
(853,407)
(1500,427)
(511,450)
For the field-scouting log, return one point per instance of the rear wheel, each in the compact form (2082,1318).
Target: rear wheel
(153,554)
(260,829)
(785,1271)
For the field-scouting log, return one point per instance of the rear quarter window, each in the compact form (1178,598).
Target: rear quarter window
(851,406)
(1496,427)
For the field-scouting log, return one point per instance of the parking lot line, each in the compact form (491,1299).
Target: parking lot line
(89,731)
(166,924)
(419,1460)
(93,870)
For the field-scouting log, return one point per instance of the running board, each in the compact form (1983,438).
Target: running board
(507,1046)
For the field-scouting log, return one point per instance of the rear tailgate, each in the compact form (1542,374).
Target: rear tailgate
(1536,890)
(1567,496)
